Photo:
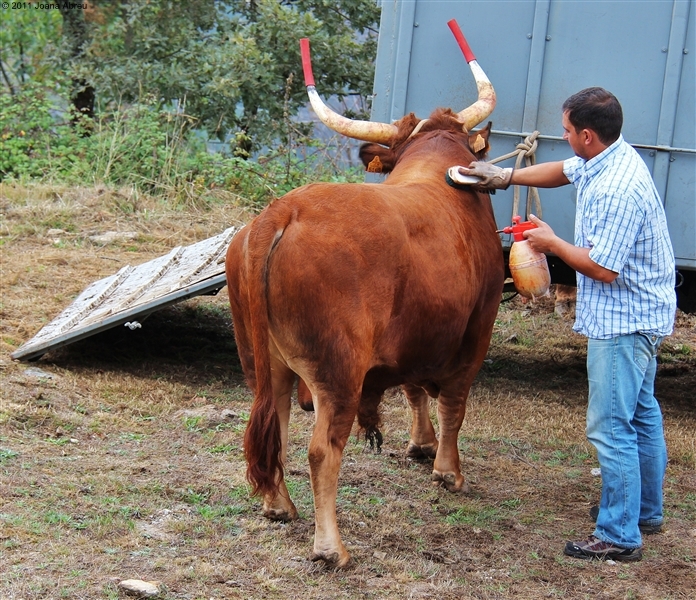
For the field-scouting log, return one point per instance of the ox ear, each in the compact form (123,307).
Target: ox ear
(478,141)
(376,158)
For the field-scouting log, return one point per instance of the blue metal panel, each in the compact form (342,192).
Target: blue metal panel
(393,69)
(617,45)
(536,65)
(680,192)
(539,52)
(685,130)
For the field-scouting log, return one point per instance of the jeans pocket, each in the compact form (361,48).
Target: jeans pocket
(645,349)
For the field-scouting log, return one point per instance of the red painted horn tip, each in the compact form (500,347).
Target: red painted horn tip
(306,62)
(461,40)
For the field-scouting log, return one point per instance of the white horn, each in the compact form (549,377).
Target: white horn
(483,107)
(367,131)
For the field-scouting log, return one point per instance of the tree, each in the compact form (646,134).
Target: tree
(233,64)
(77,39)
(29,41)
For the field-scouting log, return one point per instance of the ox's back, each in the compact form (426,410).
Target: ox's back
(410,245)
(376,277)
(392,255)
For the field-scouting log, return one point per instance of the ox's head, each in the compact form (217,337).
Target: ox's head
(387,141)
(382,159)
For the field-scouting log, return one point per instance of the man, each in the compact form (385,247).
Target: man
(625,305)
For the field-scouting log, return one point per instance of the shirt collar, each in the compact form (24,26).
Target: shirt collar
(595,164)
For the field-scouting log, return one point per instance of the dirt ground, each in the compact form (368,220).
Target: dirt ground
(120,455)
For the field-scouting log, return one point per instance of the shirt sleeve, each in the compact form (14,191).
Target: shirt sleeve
(572,169)
(614,229)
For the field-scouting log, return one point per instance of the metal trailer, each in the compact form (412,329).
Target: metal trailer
(537,53)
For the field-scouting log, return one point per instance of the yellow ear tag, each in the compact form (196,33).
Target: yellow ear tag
(375,165)
(479,143)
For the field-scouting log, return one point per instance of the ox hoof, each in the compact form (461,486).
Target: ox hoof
(450,482)
(275,514)
(306,405)
(332,559)
(420,452)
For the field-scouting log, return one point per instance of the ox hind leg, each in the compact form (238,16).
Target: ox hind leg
(335,414)
(279,507)
(451,407)
(423,442)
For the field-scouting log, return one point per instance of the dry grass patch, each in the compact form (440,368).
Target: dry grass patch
(121,455)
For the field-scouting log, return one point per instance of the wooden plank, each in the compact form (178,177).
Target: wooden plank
(133,292)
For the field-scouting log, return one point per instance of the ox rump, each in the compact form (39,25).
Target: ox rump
(355,288)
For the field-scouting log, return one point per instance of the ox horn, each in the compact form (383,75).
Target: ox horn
(479,110)
(367,131)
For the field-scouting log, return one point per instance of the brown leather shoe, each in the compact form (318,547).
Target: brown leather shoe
(594,548)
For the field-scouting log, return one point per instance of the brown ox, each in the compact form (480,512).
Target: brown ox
(356,288)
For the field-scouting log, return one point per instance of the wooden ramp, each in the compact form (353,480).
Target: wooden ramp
(135,292)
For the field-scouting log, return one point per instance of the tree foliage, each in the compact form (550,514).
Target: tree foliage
(143,146)
(29,43)
(233,65)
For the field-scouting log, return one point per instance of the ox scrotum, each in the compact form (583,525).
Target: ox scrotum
(355,288)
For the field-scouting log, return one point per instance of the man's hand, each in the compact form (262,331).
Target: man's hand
(492,177)
(542,238)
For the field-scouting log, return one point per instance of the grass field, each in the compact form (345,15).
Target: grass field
(120,455)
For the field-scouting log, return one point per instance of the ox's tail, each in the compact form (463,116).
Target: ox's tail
(262,441)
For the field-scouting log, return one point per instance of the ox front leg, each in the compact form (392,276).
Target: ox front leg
(423,442)
(447,466)
(279,507)
(334,419)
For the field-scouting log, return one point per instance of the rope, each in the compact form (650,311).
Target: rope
(524,150)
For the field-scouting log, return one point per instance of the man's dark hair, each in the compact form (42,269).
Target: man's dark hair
(596,109)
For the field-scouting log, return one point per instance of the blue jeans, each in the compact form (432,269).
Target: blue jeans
(624,423)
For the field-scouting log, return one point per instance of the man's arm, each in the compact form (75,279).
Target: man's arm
(544,175)
(543,239)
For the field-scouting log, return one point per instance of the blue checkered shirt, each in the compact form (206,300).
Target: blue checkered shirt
(620,217)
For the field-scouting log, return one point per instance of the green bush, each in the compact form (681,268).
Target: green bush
(259,181)
(152,149)
(33,141)
(140,145)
